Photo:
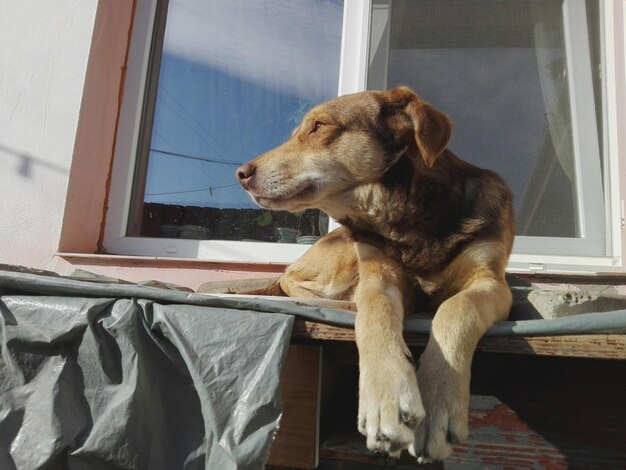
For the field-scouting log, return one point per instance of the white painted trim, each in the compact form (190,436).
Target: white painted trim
(564,264)
(613,16)
(128,127)
(354,50)
(613,85)
(614,205)
(591,208)
(378,48)
(614,19)
(213,250)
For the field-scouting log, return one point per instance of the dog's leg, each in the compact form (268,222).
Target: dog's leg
(328,270)
(444,371)
(390,406)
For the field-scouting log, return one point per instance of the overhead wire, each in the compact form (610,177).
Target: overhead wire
(175,147)
(208,189)
(216,145)
(191,128)
(192,157)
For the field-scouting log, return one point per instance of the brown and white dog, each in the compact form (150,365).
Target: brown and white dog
(421,228)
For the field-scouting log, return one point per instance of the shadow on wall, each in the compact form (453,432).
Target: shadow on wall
(26,162)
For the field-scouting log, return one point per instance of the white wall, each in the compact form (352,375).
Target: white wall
(44,46)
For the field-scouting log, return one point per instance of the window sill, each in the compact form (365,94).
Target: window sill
(162,261)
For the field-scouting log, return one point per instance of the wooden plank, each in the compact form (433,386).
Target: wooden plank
(345,305)
(350,447)
(583,346)
(233,286)
(296,443)
(525,412)
(599,346)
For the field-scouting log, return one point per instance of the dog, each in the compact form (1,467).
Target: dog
(421,229)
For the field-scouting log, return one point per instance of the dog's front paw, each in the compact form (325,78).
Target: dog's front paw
(390,406)
(445,395)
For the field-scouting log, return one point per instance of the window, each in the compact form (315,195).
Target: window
(524,84)
(213,83)
(223,82)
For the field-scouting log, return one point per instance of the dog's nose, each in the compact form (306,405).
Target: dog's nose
(244,173)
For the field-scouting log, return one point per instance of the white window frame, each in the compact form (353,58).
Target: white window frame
(115,240)
(588,174)
(610,217)
(599,247)
(357,23)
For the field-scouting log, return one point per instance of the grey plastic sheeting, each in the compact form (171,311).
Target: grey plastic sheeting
(588,323)
(101,383)
(93,378)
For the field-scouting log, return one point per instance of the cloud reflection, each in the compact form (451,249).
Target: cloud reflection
(278,44)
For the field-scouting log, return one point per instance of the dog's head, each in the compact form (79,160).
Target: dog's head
(343,144)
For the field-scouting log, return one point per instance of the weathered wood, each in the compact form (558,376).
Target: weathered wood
(301,301)
(350,447)
(296,443)
(584,346)
(600,346)
(525,412)
(233,286)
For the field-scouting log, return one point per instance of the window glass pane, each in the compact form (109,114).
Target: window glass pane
(523,100)
(234,79)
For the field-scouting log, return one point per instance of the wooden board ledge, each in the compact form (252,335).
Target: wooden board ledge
(597,346)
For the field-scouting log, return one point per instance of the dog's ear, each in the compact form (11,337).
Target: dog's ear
(432,128)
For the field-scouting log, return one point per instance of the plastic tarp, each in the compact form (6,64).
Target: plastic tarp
(102,376)
(108,383)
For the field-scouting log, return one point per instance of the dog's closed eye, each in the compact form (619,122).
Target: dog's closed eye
(316,127)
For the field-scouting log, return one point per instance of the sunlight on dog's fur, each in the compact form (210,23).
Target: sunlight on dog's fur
(421,228)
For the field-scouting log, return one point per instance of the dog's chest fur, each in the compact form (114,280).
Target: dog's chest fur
(424,222)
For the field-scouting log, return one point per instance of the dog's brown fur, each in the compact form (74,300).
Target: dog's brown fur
(419,225)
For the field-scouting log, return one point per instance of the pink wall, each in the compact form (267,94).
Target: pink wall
(44,49)
(62,85)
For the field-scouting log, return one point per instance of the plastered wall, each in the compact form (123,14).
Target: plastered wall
(44,48)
